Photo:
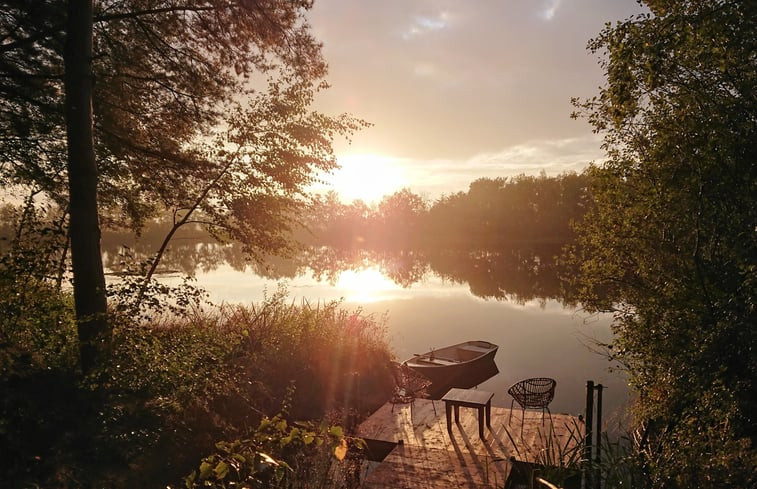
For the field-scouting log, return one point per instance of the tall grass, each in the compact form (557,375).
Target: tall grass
(176,386)
(558,462)
(564,464)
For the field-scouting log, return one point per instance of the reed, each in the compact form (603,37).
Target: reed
(175,386)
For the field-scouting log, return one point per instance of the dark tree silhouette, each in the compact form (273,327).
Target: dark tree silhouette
(124,109)
(671,247)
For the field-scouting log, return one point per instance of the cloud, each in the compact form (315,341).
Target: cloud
(371,176)
(548,12)
(553,157)
(448,79)
(422,24)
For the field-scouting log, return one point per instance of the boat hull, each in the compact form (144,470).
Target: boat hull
(463,365)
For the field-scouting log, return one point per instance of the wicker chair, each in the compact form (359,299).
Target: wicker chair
(534,393)
(409,385)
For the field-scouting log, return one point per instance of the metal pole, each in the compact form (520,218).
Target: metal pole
(588,425)
(598,450)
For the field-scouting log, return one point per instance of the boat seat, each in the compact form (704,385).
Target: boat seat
(436,361)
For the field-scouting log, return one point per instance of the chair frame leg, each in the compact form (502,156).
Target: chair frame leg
(522,419)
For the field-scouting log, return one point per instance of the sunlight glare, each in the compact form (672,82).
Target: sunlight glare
(367,177)
(366,285)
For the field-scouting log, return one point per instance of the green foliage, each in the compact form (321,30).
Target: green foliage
(178,385)
(564,464)
(132,294)
(181,383)
(671,244)
(36,322)
(203,109)
(279,455)
(559,463)
(620,464)
(524,210)
(334,358)
(166,74)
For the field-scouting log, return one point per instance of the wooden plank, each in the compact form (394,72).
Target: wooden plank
(429,456)
(423,423)
(411,467)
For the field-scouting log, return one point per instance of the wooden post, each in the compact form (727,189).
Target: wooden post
(589,424)
(598,450)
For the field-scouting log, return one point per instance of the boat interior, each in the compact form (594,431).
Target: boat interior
(453,355)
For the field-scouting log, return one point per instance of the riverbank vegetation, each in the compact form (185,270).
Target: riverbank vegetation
(177,385)
(281,379)
(671,243)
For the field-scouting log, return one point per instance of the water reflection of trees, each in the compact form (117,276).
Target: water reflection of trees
(501,238)
(518,274)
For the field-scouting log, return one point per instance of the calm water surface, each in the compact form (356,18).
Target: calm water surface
(538,338)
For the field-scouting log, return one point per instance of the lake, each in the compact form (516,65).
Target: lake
(537,337)
(428,298)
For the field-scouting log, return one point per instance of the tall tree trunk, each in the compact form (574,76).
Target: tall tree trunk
(89,279)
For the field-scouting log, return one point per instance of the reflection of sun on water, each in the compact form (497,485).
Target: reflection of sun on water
(368,285)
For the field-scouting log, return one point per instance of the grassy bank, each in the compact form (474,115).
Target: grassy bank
(178,386)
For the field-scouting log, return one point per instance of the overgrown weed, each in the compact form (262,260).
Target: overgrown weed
(175,386)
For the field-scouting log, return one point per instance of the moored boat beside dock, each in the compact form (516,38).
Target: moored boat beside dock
(449,364)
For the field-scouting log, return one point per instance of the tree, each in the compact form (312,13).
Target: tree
(671,244)
(176,120)
(84,226)
(400,219)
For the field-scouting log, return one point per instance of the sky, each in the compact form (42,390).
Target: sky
(459,90)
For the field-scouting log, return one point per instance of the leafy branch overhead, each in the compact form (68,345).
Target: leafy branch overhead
(119,110)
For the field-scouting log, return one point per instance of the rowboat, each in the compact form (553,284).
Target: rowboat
(453,363)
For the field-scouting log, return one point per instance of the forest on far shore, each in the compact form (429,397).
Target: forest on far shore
(494,214)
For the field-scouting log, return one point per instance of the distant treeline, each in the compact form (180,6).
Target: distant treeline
(501,237)
(494,213)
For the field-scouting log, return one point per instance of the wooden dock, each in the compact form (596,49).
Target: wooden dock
(427,456)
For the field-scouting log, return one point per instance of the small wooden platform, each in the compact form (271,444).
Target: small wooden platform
(427,456)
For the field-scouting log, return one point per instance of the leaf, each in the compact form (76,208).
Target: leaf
(189,481)
(264,461)
(206,469)
(340,451)
(336,431)
(221,470)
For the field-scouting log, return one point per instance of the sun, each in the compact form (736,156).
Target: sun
(368,177)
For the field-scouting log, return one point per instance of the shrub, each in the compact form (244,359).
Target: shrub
(174,386)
